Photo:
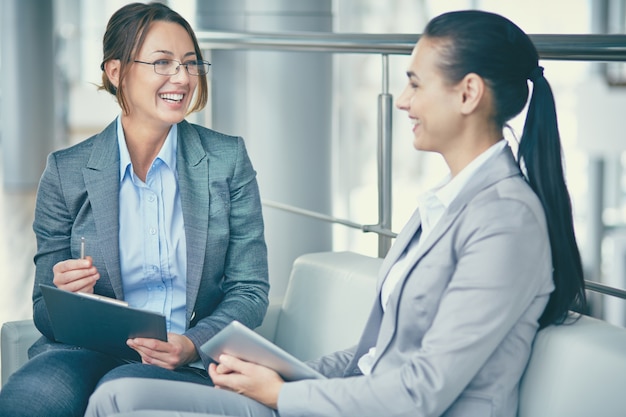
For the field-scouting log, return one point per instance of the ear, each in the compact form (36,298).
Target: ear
(112,69)
(472,92)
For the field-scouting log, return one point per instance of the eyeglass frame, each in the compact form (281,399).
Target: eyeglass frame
(180,64)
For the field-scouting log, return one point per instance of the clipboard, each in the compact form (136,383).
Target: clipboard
(238,340)
(99,323)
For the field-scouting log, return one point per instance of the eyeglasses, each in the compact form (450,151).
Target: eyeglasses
(172,66)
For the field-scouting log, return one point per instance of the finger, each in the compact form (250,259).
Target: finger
(223,369)
(221,381)
(66,273)
(81,284)
(87,288)
(154,352)
(233,364)
(148,357)
(150,347)
(72,264)
(214,371)
(70,276)
(151,344)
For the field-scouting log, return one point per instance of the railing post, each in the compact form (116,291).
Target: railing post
(385,107)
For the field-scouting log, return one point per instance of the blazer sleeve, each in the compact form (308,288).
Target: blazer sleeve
(244,281)
(333,365)
(502,267)
(52,226)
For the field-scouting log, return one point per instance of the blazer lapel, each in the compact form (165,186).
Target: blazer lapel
(500,166)
(102,179)
(372,328)
(193,180)
(397,249)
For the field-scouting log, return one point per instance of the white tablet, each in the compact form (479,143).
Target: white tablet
(239,341)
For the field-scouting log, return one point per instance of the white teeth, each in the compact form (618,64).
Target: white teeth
(172,97)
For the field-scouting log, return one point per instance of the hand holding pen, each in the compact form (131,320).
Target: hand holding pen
(76,275)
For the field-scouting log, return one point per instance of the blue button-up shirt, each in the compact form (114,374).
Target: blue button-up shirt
(152,235)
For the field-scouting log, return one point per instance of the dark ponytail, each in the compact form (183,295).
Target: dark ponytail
(540,155)
(496,49)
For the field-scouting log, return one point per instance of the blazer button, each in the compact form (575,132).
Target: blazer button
(193,315)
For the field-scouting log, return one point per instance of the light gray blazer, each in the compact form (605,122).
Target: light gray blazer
(227,275)
(459,326)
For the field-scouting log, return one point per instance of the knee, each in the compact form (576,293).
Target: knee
(48,376)
(110,397)
(130,370)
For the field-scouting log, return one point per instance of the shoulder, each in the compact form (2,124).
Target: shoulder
(208,137)
(78,150)
(500,194)
(73,159)
(507,206)
(197,142)
(512,192)
(79,153)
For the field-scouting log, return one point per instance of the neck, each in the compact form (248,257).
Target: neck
(467,149)
(144,144)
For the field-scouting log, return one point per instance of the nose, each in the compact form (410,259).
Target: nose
(181,76)
(403,101)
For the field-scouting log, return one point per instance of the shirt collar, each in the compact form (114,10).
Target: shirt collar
(167,154)
(449,188)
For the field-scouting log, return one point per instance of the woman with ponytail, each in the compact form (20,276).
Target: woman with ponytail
(488,258)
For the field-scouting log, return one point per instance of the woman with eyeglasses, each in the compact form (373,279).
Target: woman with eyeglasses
(488,258)
(170,215)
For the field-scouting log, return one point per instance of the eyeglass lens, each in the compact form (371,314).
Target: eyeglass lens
(171,67)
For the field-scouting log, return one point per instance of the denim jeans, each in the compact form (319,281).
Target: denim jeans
(58,383)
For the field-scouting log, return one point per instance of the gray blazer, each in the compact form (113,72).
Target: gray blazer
(227,275)
(457,333)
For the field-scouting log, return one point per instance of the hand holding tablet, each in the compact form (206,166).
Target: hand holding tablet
(99,323)
(239,341)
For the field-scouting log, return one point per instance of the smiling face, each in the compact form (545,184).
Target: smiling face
(431,102)
(161,99)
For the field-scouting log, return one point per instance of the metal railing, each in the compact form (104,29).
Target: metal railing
(556,47)
(585,47)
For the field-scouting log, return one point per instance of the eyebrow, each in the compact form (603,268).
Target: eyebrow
(163,51)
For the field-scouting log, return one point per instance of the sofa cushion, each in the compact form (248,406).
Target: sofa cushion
(327,303)
(17,337)
(576,370)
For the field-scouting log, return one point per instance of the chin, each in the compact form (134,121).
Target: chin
(419,145)
(174,119)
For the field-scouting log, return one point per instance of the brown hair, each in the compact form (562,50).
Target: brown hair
(125,35)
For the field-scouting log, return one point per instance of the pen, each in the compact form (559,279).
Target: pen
(82,247)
